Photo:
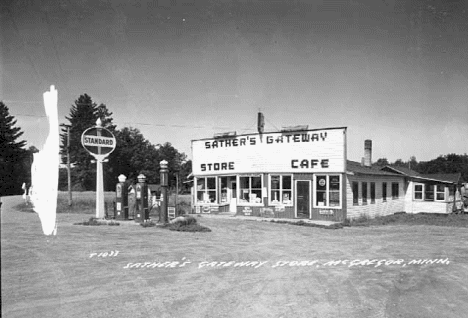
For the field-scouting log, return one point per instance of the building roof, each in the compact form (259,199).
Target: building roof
(357,168)
(445,177)
(440,177)
(401,170)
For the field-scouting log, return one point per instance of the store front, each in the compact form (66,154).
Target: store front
(293,174)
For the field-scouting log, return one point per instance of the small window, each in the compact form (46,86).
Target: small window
(440,192)
(355,193)
(429,192)
(384,191)
(395,190)
(364,193)
(372,192)
(206,190)
(418,191)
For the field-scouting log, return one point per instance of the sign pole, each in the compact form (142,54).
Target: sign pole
(99,190)
(99,142)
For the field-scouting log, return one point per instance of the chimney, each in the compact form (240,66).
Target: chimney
(260,123)
(368,153)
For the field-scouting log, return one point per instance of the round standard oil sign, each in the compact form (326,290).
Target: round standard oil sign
(98,141)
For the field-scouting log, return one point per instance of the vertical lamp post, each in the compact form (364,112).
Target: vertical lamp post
(164,198)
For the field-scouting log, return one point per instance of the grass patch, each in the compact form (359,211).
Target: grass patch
(452,220)
(98,222)
(82,203)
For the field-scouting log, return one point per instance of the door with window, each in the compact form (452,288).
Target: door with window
(303,207)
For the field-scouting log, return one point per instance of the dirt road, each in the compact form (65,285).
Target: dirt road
(240,269)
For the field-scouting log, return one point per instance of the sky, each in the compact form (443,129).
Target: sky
(395,72)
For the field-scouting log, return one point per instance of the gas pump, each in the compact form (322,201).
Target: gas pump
(121,199)
(141,204)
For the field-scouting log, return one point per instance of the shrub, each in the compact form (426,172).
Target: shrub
(194,227)
(184,220)
(97,222)
(150,223)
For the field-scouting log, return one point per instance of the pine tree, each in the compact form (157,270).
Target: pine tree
(83,115)
(12,153)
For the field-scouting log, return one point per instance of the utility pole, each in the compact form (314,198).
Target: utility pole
(70,199)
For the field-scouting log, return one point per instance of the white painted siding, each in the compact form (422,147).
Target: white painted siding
(379,208)
(418,206)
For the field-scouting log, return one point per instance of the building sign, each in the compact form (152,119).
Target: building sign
(326,211)
(247,210)
(302,151)
(98,141)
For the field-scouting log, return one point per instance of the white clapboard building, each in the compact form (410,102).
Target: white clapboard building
(302,173)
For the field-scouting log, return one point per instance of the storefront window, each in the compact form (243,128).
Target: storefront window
(206,190)
(223,189)
(280,189)
(250,189)
(327,191)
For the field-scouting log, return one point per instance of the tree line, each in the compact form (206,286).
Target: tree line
(451,163)
(133,154)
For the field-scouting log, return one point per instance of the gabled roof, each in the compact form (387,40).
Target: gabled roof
(357,168)
(401,170)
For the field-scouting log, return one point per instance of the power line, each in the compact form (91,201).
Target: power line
(142,124)
(26,115)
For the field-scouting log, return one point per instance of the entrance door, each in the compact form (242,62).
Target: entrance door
(233,199)
(303,199)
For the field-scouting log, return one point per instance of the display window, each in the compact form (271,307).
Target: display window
(327,191)
(206,190)
(280,190)
(250,189)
